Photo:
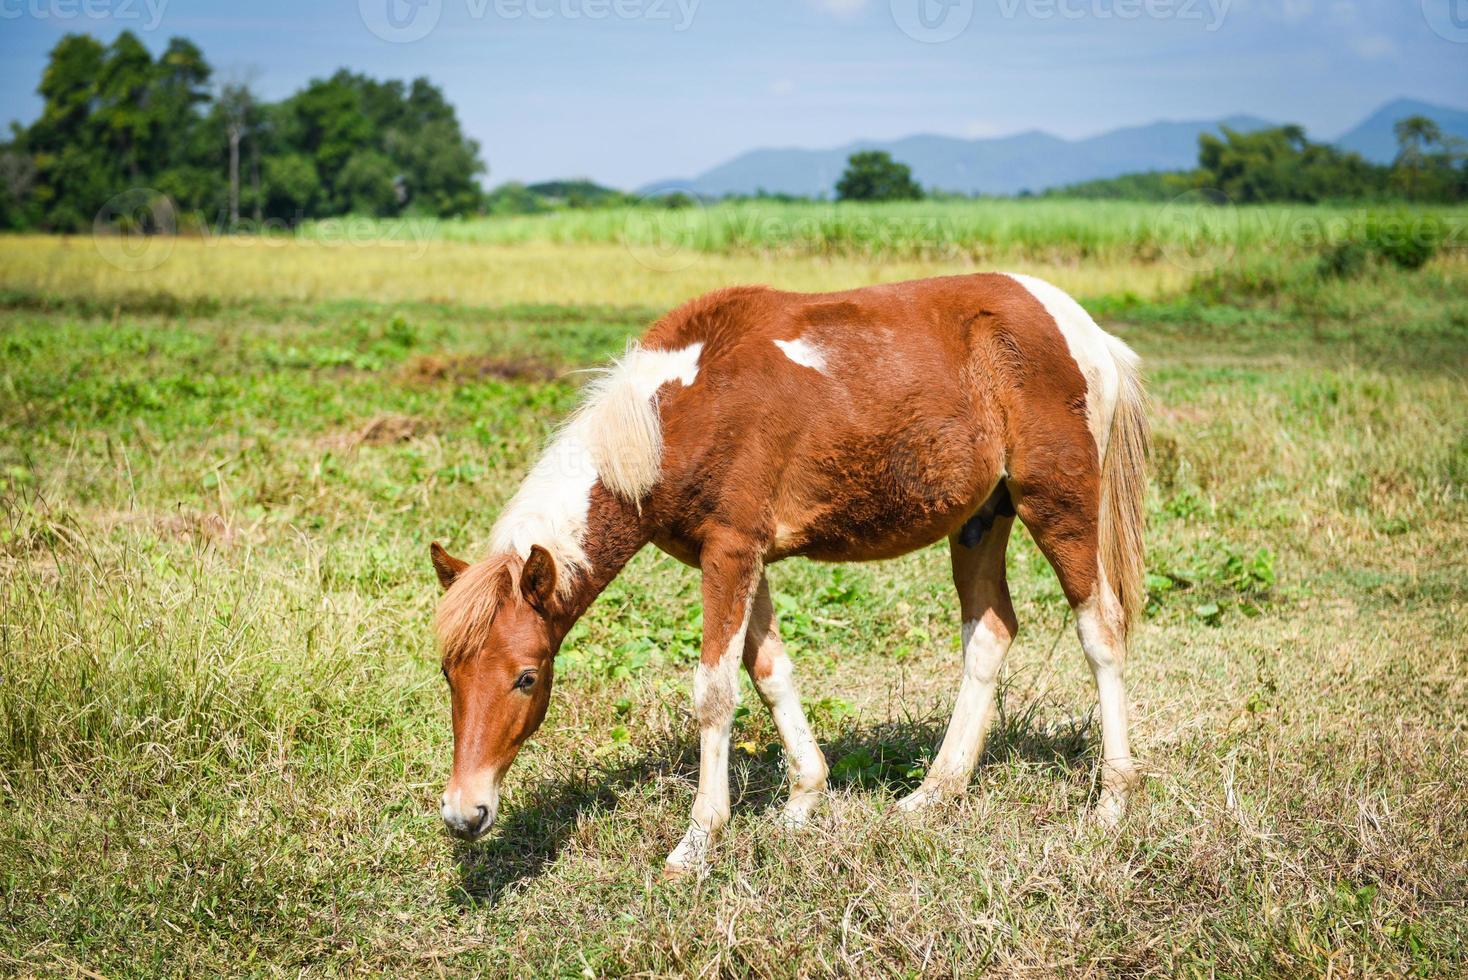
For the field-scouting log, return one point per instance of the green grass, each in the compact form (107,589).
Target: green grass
(1193,229)
(223,731)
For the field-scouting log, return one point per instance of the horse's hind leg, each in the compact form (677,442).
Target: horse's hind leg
(769,668)
(1062,517)
(989,626)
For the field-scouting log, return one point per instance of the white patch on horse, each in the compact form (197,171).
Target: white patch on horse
(615,436)
(715,696)
(1094,350)
(983,656)
(807,764)
(1098,624)
(804,353)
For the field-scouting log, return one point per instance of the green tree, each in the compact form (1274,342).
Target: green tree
(1416,135)
(291,187)
(115,118)
(73,172)
(124,110)
(872,175)
(368,184)
(1280,164)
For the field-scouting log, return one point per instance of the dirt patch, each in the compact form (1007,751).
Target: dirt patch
(476,367)
(384,430)
(200,525)
(1180,414)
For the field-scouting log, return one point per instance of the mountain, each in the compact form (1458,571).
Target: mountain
(1373,138)
(1031,160)
(1003,165)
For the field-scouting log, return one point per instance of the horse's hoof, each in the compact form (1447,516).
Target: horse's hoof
(920,799)
(797,812)
(1108,811)
(691,855)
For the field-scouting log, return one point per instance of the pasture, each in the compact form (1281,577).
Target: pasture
(223,731)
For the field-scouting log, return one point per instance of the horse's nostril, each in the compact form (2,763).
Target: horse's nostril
(483,819)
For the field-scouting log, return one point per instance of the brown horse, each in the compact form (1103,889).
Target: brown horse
(751,425)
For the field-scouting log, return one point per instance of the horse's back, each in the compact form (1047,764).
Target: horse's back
(856,424)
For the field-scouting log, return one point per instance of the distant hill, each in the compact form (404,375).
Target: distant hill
(1373,138)
(1033,160)
(1002,165)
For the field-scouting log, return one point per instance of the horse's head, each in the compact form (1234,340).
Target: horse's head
(498,656)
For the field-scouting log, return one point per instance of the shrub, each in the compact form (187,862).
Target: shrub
(1409,241)
(1344,260)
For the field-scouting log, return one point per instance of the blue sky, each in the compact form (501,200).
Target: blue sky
(630,91)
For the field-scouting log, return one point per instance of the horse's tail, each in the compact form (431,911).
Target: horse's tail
(1124,486)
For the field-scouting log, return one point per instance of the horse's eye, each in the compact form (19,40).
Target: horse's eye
(525,681)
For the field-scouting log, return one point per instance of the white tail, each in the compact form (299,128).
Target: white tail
(1124,485)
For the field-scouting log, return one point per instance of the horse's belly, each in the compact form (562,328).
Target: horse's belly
(879,496)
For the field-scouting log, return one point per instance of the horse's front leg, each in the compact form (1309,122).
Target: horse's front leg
(731,572)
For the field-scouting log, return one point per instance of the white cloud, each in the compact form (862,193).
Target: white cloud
(782,86)
(1287,10)
(980,128)
(841,8)
(1374,47)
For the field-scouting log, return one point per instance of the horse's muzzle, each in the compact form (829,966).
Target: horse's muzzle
(467,819)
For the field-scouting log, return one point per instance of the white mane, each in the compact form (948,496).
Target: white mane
(615,436)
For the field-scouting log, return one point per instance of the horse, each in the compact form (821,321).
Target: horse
(752,425)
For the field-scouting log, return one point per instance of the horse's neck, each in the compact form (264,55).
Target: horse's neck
(615,532)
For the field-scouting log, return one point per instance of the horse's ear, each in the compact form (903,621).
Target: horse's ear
(446,565)
(538,578)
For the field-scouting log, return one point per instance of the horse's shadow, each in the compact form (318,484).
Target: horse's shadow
(885,758)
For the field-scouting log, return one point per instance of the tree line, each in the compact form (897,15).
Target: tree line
(115,118)
(1280,164)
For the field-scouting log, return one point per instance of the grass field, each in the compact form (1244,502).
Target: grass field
(223,731)
(1193,227)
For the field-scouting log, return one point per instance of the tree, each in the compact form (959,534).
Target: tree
(368,184)
(115,118)
(292,187)
(873,175)
(1280,164)
(124,111)
(237,107)
(72,171)
(1415,135)
(177,91)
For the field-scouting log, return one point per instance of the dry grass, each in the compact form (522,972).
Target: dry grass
(436,271)
(222,729)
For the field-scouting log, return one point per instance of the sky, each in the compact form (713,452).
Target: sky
(628,92)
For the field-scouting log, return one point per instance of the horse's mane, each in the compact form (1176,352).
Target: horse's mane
(614,436)
(466,611)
